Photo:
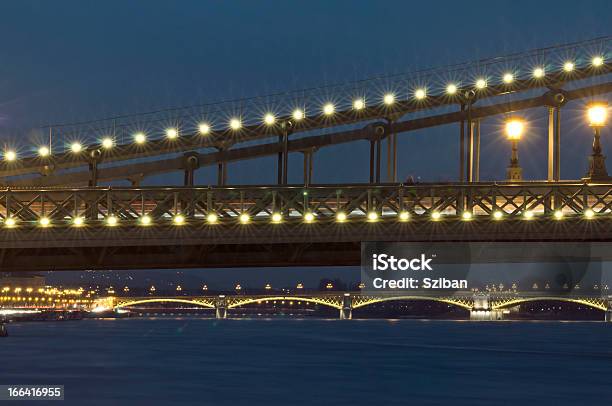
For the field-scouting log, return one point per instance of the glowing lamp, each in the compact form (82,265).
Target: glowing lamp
(309,217)
(389,99)
(538,73)
(140,138)
(515,128)
(172,133)
(212,218)
(43,151)
(204,128)
(10,155)
(597,61)
(597,113)
(108,143)
(329,109)
(269,119)
(481,83)
(359,104)
(235,124)
(76,147)
(298,114)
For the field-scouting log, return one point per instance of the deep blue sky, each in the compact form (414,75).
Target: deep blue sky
(75,60)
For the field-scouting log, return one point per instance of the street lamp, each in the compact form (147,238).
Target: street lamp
(597,113)
(514,130)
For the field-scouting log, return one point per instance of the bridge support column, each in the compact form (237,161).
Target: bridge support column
(346,312)
(608,314)
(482,311)
(221,307)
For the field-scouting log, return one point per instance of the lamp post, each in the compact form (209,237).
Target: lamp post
(597,113)
(514,130)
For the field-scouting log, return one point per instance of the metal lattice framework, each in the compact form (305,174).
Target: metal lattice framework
(207,302)
(590,301)
(78,207)
(334,301)
(466,302)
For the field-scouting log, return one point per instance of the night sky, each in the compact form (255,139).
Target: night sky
(74,60)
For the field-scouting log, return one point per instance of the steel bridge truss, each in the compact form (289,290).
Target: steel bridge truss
(334,203)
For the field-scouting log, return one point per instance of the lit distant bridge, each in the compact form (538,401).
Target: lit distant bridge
(57,215)
(481,306)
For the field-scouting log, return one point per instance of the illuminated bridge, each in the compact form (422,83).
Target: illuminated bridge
(59,213)
(481,306)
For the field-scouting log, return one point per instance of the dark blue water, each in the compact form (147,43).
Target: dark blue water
(313,362)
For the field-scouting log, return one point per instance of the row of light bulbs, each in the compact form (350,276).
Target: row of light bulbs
(328,109)
(308,217)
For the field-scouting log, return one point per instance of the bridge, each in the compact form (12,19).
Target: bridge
(481,306)
(61,207)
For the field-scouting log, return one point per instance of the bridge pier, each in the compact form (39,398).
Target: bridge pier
(608,313)
(346,312)
(221,307)
(482,311)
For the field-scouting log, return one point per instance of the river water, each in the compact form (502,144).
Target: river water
(193,361)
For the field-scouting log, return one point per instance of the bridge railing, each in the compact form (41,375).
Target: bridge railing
(311,204)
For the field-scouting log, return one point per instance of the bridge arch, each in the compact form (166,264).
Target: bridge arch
(595,303)
(330,302)
(164,300)
(463,303)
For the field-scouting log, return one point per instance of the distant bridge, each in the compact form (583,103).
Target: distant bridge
(481,306)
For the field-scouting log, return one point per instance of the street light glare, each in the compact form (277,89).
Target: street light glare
(235,124)
(481,83)
(269,119)
(508,78)
(568,66)
(597,61)
(145,220)
(76,147)
(172,133)
(451,88)
(277,218)
(597,113)
(515,128)
(420,94)
(108,143)
(244,218)
(389,99)
(329,109)
(43,151)
(111,221)
(10,155)
(538,73)
(204,128)
(212,218)
(140,138)
(298,114)
(359,104)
